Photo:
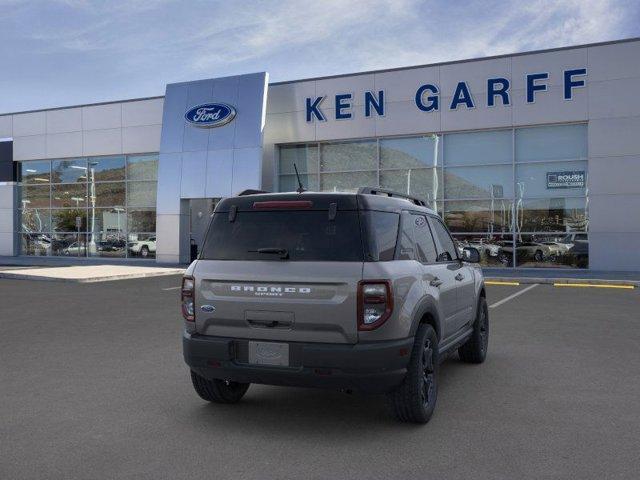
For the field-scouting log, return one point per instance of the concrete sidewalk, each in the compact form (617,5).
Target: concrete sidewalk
(34,261)
(561,276)
(87,273)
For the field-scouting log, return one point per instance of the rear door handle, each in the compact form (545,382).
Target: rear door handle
(459,277)
(436,282)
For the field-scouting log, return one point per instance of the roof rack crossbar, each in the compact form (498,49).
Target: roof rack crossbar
(391,193)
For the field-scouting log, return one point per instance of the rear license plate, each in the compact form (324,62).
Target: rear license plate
(269,353)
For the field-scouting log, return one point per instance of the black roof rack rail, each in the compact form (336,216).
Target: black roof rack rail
(391,193)
(251,191)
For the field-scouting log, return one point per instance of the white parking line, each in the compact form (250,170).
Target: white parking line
(511,297)
(172,288)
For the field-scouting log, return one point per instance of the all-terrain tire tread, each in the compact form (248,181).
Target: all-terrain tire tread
(405,401)
(471,351)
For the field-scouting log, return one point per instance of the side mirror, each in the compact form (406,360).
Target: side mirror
(470,254)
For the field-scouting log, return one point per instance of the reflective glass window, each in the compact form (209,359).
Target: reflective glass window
(141,194)
(478,182)
(479,216)
(64,220)
(142,167)
(495,250)
(478,148)
(69,245)
(35,220)
(421,182)
(560,250)
(289,183)
(107,223)
(346,182)
(553,179)
(557,142)
(413,152)
(305,157)
(108,194)
(141,245)
(352,156)
(36,244)
(69,171)
(143,220)
(35,196)
(69,195)
(106,169)
(560,214)
(38,172)
(103,244)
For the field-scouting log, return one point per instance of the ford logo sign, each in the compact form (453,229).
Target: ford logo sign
(210,115)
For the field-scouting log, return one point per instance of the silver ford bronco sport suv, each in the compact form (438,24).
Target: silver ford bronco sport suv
(352,291)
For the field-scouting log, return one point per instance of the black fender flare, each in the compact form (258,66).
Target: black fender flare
(427,305)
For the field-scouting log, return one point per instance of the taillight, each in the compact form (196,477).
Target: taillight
(188,308)
(375,303)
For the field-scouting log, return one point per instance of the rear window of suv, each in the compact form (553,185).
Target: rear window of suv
(305,235)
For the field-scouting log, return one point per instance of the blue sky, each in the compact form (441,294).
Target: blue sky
(68,52)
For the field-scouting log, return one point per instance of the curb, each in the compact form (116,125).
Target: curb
(563,281)
(125,276)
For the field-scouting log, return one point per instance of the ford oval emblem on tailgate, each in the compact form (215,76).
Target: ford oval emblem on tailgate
(207,308)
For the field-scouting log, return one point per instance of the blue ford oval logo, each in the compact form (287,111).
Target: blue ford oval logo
(207,308)
(210,115)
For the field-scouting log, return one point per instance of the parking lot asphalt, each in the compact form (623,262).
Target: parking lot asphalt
(93,386)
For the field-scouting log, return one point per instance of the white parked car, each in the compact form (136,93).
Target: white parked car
(143,247)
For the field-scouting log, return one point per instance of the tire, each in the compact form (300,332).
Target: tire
(538,256)
(218,391)
(415,399)
(475,349)
(144,251)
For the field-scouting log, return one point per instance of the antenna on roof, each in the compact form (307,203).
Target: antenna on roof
(300,188)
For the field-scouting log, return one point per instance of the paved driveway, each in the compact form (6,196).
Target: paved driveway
(92,385)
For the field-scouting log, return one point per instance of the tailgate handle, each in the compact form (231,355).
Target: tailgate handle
(269,319)
(270,323)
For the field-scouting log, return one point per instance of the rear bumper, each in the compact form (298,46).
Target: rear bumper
(375,367)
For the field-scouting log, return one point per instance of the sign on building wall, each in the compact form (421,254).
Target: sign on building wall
(210,115)
(568,179)
(429,98)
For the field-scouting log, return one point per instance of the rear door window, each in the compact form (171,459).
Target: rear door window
(406,242)
(382,234)
(446,248)
(284,235)
(426,249)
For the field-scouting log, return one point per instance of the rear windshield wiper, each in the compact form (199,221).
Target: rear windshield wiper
(284,254)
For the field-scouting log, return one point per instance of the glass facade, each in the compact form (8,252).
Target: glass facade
(95,206)
(518,195)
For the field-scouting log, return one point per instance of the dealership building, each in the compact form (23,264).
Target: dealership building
(534,158)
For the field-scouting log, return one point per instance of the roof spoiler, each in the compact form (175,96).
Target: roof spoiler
(251,191)
(391,193)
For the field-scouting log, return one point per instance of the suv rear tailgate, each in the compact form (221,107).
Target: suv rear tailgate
(278,300)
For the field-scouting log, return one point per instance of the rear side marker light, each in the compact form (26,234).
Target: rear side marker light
(187,300)
(375,303)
